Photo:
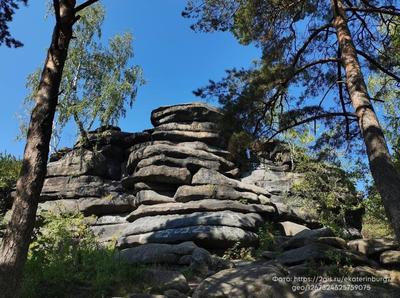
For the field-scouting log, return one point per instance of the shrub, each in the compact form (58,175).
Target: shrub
(9,172)
(65,261)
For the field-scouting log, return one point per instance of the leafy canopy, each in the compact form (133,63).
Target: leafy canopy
(99,82)
(299,78)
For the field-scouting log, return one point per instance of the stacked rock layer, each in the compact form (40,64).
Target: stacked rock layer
(171,184)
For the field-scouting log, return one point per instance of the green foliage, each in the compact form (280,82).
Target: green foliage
(98,81)
(238,252)
(9,172)
(375,222)
(266,239)
(325,191)
(65,261)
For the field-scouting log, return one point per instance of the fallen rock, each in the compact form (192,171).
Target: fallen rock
(320,252)
(156,253)
(305,236)
(162,280)
(290,228)
(254,280)
(249,221)
(207,236)
(372,246)
(199,206)
(185,113)
(390,257)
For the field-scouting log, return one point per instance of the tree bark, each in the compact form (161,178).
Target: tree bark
(15,244)
(386,177)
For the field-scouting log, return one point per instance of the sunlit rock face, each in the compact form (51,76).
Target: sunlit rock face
(171,184)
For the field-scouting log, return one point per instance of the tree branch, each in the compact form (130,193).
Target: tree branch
(84,5)
(375,10)
(317,117)
(378,65)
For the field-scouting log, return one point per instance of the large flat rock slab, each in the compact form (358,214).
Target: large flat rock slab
(193,126)
(200,206)
(181,151)
(156,253)
(207,236)
(206,176)
(69,187)
(177,136)
(188,193)
(183,113)
(249,221)
(163,174)
(256,280)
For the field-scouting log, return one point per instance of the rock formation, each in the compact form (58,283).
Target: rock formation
(165,194)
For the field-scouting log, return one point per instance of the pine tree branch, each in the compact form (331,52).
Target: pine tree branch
(317,117)
(386,11)
(378,65)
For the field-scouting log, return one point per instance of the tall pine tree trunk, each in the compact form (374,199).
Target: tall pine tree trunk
(386,177)
(14,247)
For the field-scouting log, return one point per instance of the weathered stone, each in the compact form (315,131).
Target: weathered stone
(372,246)
(106,233)
(193,164)
(320,252)
(181,151)
(129,183)
(188,193)
(390,257)
(110,204)
(249,221)
(193,126)
(305,236)
(205,176)
(78,163)
(286,213)
(199,206)
(163,174)
(111,219)
(157,253)
(174,294)
(290,228)
(389,276)
(185,113)
(208,236)
(178,136)
(106,205)
(161,280)
(70,187)
(150,197)
(254,280)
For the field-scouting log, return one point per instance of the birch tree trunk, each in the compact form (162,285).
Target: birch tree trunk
(15,244)
(386,177)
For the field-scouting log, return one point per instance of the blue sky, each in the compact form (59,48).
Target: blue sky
(175,59)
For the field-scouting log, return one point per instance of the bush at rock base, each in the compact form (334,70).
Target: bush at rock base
(9,172)
(65,261)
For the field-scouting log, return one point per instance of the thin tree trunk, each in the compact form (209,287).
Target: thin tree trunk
(14,247)
(386,177)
